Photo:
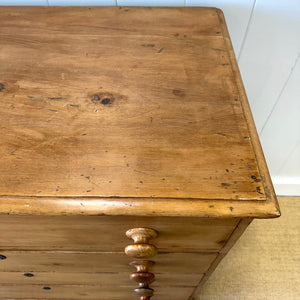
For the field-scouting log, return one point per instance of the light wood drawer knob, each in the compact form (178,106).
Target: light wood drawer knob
(141,247)
(141,250)
(141,235)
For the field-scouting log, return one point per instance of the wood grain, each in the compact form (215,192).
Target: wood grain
(66,292)
(138,207)
(107,279)
(101,262)
(122,108)
(105,233)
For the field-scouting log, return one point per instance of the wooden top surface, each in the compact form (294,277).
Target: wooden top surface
(139,103)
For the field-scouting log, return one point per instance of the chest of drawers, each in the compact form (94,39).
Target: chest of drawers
(130,163)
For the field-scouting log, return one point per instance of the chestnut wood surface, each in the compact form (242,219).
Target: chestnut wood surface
(108,233)
(141,106)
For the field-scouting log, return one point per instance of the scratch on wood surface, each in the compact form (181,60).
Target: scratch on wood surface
(40,98)
(222,134)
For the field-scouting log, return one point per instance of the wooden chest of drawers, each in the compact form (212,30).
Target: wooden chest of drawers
(122,121)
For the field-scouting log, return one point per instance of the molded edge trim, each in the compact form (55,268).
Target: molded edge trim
(138,207)
(261,162)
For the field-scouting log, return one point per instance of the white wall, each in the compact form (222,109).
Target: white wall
(266,40)
(269,63)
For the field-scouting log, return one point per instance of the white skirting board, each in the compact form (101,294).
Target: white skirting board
(287,186)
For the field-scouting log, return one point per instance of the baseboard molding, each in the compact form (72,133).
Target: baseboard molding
(286,186)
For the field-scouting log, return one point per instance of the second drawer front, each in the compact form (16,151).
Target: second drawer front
(97,292)
(169,263)
(106,233)
(101,279)
(69,275)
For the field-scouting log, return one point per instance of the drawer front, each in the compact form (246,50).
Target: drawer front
(106,233)
(67,275)
(169,263)
(82,257)
(122,279)
(67,292)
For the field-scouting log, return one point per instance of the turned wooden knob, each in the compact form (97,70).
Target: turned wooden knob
(142,278)
(140,250)
(142,265)
(141,247)
(141,235)
(144,292)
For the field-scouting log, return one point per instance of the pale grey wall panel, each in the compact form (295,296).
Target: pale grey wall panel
(269,53)
(281,135)
(287,181)
(24,2)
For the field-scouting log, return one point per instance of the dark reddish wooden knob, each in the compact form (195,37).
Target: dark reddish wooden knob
(144,278)
(144,292)
(142,265)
